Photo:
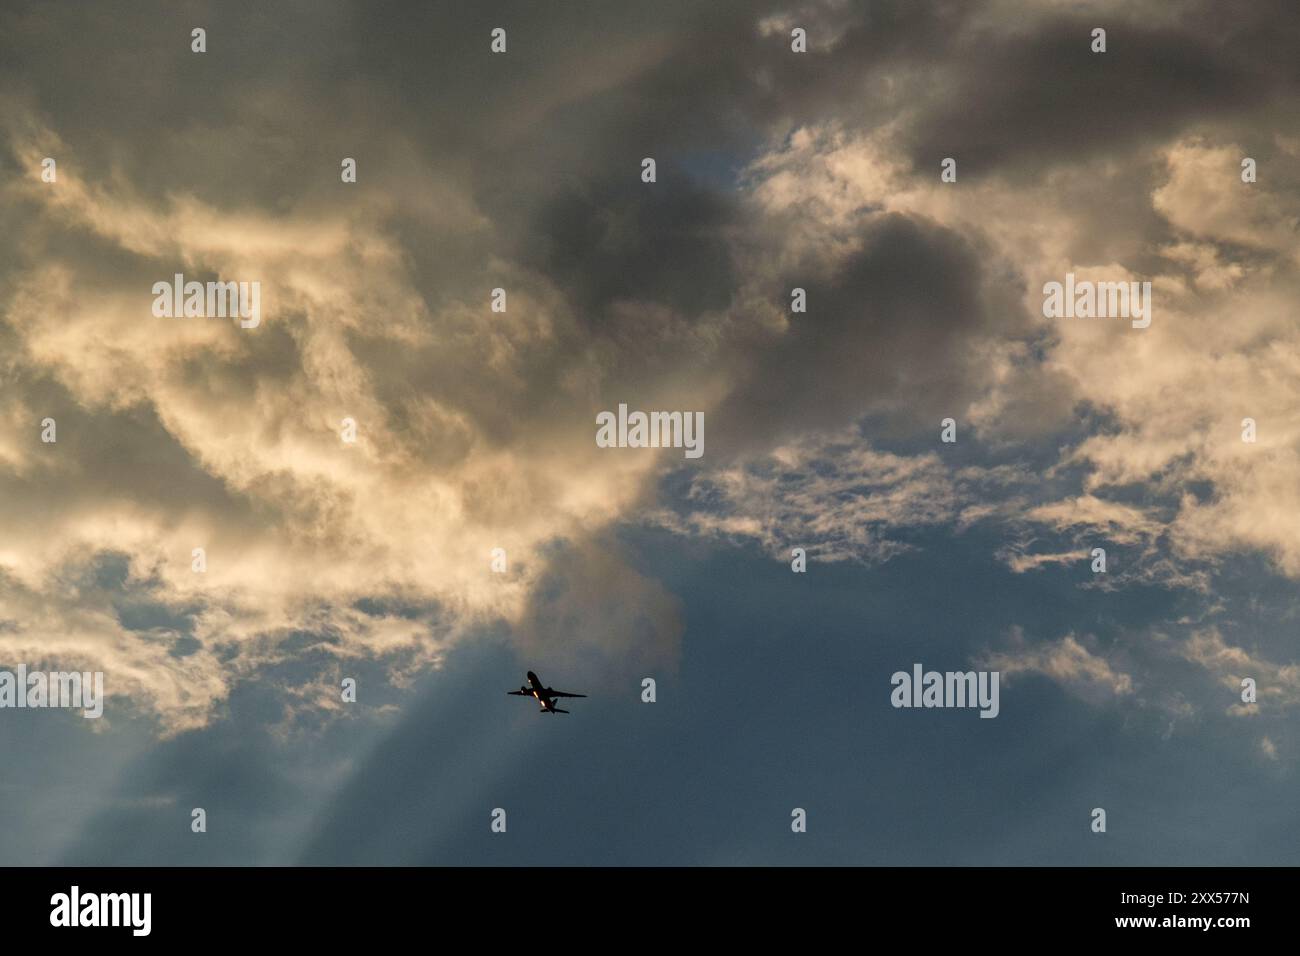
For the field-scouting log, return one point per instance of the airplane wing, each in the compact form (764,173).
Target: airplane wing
(560,693)
(518,693)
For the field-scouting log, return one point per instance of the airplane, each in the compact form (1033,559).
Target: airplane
(545,695)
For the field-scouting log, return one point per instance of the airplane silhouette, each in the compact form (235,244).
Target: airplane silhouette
(544,695)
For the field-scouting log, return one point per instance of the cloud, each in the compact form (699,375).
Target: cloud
(185,433)
(1067,661)
(475,428)
(1277,685)
(833,496)
(1195,201)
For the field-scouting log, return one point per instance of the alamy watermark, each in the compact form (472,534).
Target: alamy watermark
(181,299)
(651,430)
(1101,300)
(53,689)
(76,908)
(947,689)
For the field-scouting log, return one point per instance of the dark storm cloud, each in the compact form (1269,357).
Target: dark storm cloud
(253,114)
(671,246)
(1020,100)
(634,628)
(895,330)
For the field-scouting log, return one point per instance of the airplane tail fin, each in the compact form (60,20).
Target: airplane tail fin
(558,711)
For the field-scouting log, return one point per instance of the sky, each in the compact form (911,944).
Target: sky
(923,317)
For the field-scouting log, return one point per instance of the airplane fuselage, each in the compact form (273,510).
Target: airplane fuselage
(545,696)
(539,691)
